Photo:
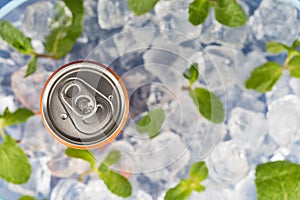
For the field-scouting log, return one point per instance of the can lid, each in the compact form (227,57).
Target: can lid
(84,104)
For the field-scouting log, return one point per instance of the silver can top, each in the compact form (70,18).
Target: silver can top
(84,104)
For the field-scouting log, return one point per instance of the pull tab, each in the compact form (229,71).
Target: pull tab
(89,109)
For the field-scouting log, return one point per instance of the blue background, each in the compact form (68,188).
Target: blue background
(3,2)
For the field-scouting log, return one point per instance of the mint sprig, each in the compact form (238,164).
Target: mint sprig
(64,35)
(198,11)
(230,13)
(15,38)
(264,77)
(58,43)
(18,117)
(81,154)
(278,180)
(14,167)
(182,191)
(227,12)
(140,7)
(114,181)
(27,197)
(208,104)
(152,122)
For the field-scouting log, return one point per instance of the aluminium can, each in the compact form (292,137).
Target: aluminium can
(84,104)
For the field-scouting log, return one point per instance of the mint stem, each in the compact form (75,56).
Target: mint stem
(2,132)
(186,88)
(288,59)
(42,55)
(85,173)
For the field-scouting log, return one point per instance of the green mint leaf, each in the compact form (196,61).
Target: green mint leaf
(182,191)
(199,171)
(224,3)
(31,66)
(15,38)
(64,35)
(26,197)
(193,74)
(115,182)
(197,186)
(230,13)
(198,11)
(112,158)
(15,167)
(18,117)
(140,7)
(263,78)
(294,66)
(81,154)
(152,122)
(296,44)
(276,47)
(278,180)
(209,104)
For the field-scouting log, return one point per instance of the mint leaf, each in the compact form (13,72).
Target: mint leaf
(276,47)
(263,78)
(81,154)
(15,38)
(26,197)
(193,74)
(63,36)
(112,158)
(181,192)
(17,117)
(140,7)
(230,13)
(115,182)
(152,122)
(209,105)
(294,66)
(199,171)
(296,44)
(14,167)
(31,66)
(278,180)
(198,11)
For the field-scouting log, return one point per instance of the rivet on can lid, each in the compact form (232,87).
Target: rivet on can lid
(84,104)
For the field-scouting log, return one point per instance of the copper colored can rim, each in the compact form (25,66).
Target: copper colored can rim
(108,139)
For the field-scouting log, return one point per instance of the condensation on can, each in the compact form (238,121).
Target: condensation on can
(84,104)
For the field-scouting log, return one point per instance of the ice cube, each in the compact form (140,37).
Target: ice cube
(274,20)
(63,166)
(212,194)
(37,141)
(283,119)
(160,152)
(67,189)
(30,96)
(37,18)
(247,126)
(246,189)
(71,189)
(228,162)
(6,193)
(214,32)
(295,86)
(112,14)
